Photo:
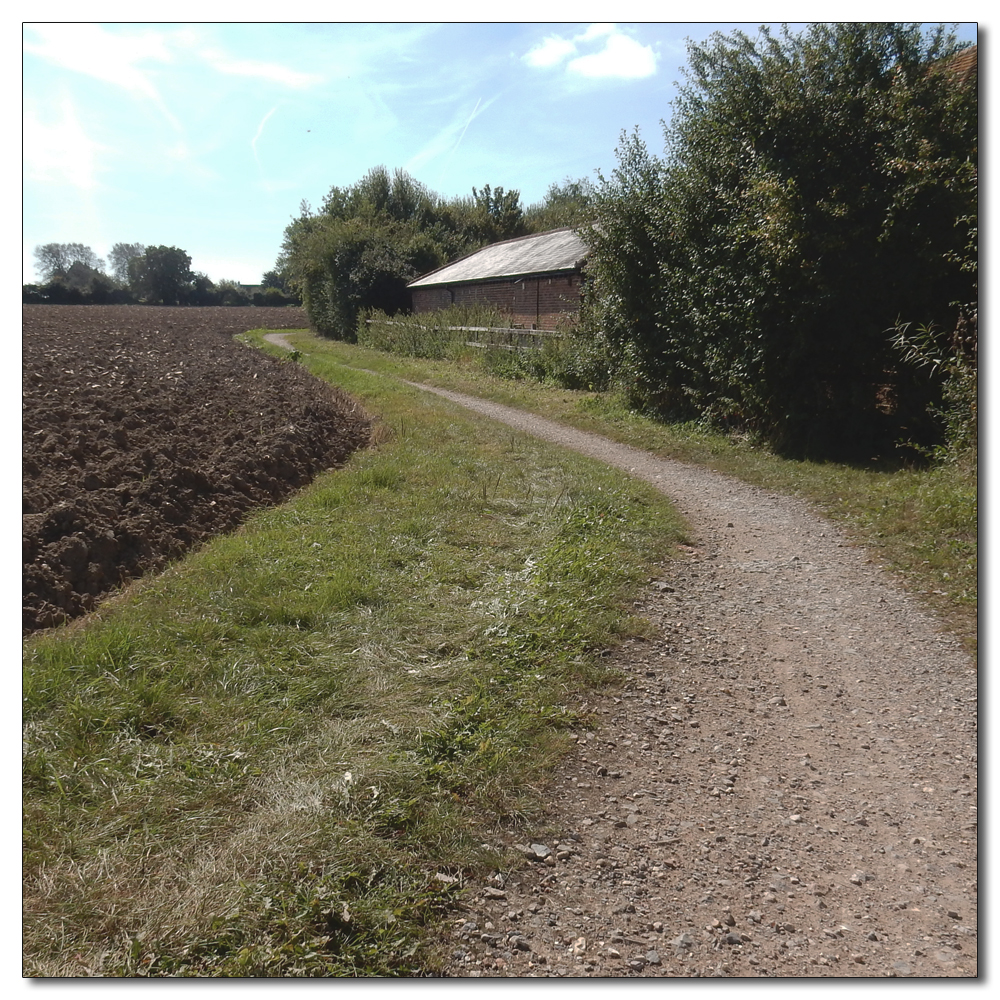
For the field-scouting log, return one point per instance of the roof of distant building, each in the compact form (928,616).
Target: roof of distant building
(542,253)
(965,65)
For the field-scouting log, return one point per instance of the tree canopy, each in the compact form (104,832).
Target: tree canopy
(120,256)
(53,260)
(369,240)
(161,275)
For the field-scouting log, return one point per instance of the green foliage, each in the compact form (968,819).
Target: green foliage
(275,297)
(369,240)
(162,275)
(276,290)
(427,335)
(815,187)
(119,257)
(345,266)
(575,357)
(54,260)
(231,293)
(954,358)
(202,291)
(566,204)
(497,215)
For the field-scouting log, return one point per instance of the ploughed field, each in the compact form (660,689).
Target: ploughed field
(146,430)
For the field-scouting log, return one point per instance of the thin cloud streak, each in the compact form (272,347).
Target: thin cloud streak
(467,124)
(273,72)
(442,145)
(257,135)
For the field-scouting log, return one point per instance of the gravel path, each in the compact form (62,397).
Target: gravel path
(785,786)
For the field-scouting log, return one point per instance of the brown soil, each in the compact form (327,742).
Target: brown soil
(147,430)
(785,785)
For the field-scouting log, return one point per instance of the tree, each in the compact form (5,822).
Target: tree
(53,260)
(499,215)
(161,275)
(231,293)
(566,204)
(343,266)
(274,279)
(202,291)
(119,257)
(815,188)
(369,240)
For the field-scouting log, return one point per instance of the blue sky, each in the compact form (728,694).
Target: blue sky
(208,136)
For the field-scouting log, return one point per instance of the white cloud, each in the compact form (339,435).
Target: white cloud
(551,52)
(92,51)
(596,31)
(621,56)
(60,151)
(274,72)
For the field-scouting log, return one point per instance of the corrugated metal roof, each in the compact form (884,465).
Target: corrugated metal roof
(543,253)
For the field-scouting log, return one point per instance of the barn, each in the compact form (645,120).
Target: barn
(536,280)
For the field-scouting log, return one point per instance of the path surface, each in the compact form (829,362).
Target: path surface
(785,786)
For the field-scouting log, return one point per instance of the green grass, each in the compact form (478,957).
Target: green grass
(922,525)
(282,757)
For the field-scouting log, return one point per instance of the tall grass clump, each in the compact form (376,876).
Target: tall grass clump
(574,356)
(577,357)
(427,335)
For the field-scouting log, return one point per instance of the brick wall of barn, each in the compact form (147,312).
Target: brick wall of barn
(540,302)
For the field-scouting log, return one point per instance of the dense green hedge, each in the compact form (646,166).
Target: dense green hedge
(816,191)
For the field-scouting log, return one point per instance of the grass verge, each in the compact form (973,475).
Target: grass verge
(920,524)
(283,756)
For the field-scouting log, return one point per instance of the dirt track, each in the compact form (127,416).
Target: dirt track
(786,785)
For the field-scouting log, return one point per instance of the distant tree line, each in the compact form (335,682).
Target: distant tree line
(801,262)
(370,239)
(72,274)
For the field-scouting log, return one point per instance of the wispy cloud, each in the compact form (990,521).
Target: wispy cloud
(271,72)
(91,50)
(447,140)
(258,134)
(551,52)
(613,55)
(60,151)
